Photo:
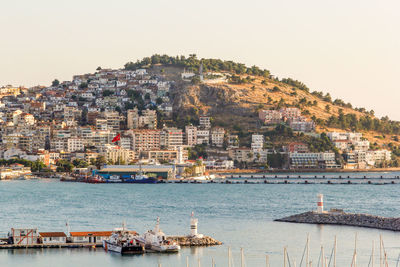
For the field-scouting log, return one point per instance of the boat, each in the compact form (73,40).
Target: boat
(156,241)
(124,242)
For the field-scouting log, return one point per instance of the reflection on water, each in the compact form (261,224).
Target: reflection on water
(241,216)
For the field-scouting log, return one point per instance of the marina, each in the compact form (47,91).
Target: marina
(120,240)
(240,218)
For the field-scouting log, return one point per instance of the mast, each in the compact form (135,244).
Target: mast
(308,250)
(380,250)
(229,256)
(284,257)
(334,253)
(322,256)
(241,257)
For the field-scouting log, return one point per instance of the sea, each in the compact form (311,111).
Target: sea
(239,215)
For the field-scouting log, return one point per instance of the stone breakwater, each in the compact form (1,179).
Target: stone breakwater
(343,218)
(187,241)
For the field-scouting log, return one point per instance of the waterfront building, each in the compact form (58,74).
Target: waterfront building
(24,236)
(96,237)
(161,171)
(53,237)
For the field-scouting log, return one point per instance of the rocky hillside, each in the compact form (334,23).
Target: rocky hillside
(234,103)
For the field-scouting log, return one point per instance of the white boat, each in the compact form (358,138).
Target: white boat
(156,240)
(124,242)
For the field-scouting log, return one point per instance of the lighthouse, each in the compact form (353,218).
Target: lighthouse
(320,203)
(193,225)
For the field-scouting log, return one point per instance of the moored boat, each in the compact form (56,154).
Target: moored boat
(124,242)
(156,240)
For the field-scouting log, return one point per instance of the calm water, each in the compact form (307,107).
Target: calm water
(240,215)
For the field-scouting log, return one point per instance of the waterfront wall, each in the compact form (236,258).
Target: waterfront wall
(343,218)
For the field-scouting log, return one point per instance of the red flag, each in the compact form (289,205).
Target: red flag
(116,138)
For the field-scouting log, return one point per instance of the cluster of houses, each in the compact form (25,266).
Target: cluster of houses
(31,236)
(291,116)
(14,171)
(79,119)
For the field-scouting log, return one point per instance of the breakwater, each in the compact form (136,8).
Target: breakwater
(188,241)
(343,218)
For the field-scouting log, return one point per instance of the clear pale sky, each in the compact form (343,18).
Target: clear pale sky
(350,49)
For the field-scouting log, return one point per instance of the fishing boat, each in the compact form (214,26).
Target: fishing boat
(124,242)
(156,240)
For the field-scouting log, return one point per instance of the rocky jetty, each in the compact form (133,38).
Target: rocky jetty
(343,218)
(189,241)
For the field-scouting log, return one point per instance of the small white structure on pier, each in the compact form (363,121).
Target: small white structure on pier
(320,203)
(193,227)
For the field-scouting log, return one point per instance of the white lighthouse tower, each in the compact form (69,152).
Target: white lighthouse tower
(320,203)
(193,226)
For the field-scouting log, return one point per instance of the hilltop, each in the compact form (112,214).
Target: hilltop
(234,102)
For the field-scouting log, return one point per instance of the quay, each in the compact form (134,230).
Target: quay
(339,217)
(54,245)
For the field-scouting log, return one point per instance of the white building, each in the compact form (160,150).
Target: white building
(191,135)
(217,136)
(257,142)
(75,144)
(53,237)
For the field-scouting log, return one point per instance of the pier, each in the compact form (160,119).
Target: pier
(54,245)
(339,217)
(343,218)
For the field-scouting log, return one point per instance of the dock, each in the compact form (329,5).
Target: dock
(54,245)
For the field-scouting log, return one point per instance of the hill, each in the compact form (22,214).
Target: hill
(234,103)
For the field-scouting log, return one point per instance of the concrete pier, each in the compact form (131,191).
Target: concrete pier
(343,218)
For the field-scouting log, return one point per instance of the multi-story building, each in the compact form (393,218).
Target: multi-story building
(205,122)
(203,137)
(171,138)
(191,135)
(217,136)
(75,144)
(257,142)
(113,121)
(147,120)
(146,140)
(322,160)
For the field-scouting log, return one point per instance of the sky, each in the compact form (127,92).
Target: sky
(350,49)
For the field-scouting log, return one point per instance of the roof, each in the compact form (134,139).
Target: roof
(52,234)
(93,233)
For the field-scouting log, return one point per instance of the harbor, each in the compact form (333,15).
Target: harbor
(120,240)
(239,216)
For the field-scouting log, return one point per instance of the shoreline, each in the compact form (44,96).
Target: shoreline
(241,171)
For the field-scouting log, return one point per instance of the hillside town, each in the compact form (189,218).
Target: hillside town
(122,117)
